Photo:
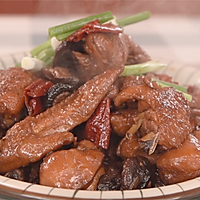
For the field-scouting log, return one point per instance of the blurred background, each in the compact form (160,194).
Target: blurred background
(171,33)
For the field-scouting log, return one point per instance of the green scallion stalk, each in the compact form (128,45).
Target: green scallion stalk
(41,56)
(133,19)
(176,86)
(63,36)
(45,55)
(48,60)
(49,52)
(75,25)
(188,96)
(34,52)
(179,88)
(142,68)
(18,64)
(63,31)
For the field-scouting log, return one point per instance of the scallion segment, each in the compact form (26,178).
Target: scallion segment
(33,64)
(143,68)
(34,52)
(63,36)
(179,88)
(46,50)
(133,19)
(176,86)
(75,25)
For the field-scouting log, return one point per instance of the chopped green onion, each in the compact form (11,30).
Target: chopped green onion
(55,43)
(42,55)
(188,96)
(133,19)
(49,52)
(48,61)
(46,50)
(142,68)
(18,64)
(63,36)
(41,47)
(45,55)
(176,86)
(179,88)
(75,25)
(34,64)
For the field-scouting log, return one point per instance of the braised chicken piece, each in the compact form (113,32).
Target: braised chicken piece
(12,84)
(72,169)
(197,134)
(99,52)
(89,127)
(60,75)
(122,120)
(136,54)
(166,118)
(129,81)
(195,107)
(95,181)
(130,147)
(195,92)
(32,138)
(180,164)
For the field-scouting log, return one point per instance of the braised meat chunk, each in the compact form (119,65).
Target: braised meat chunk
(85,122)
(122,120)
(136,54)
(12,84)
(195,107)
(99,52)
(180,164)
(72,169)
(166,114)
(32,138)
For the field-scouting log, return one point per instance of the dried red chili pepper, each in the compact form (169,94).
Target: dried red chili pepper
(34,96)
(98,127)
(92,27)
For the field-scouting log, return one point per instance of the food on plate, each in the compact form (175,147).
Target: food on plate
(93,112)
(12,84)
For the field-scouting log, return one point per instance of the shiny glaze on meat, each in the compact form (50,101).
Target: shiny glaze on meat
(122,120)
(32,138)
(99,52)
(180,164)
(71,169)
(166,112)
(12,84)
(136,54)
